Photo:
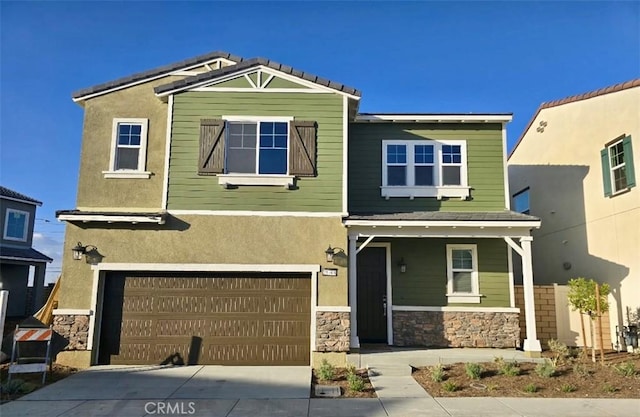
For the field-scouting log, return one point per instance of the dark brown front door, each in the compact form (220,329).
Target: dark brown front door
(372,292)
(229,319)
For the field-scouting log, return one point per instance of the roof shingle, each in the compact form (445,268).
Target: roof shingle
(6,192)
(498,216)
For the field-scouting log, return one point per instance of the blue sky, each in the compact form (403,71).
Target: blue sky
(404,57)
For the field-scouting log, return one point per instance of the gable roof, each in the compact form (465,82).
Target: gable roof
(572,99)
(153,73)
(203,78)
(14,195)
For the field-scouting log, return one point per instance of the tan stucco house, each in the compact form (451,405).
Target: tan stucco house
(241,211)
(574,167)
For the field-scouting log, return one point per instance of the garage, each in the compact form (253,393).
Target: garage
(212,318)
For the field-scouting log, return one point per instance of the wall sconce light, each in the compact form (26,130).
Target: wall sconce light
(337,256)
(403,265)
(80,250)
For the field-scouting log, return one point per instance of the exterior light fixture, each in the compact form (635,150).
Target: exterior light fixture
(403,265)
(80,250)
(329,252)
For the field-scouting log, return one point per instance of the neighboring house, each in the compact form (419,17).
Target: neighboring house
(242,212)
(17,216)
(574,167)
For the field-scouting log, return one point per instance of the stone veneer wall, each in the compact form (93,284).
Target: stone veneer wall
(456,329)
(74,328)
(333,331)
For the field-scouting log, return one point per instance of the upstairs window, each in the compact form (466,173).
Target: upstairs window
(244,150)
(16,224)
(521,201)
(617,166)
(129,149)
(424,168)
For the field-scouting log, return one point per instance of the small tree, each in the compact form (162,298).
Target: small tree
(582,297)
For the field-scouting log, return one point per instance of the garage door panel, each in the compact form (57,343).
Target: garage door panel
(232,320)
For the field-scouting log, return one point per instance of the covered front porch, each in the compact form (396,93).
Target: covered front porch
(437,279)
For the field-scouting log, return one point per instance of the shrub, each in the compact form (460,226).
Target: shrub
(437,373)
(351,369)
(530,388)
(545,369)
(327,371)
(627,369)
(507,368)
(581,370)
(609,388)
(473,370)
(450,386)
(567,388)
(13,387)
(560,352)
(355,382)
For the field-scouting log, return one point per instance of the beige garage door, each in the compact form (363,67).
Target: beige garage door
(239,319)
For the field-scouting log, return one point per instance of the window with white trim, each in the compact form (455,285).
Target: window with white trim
(257,148)
(128,149)
(16,225)
(618,167)
(424,168)
(462,274)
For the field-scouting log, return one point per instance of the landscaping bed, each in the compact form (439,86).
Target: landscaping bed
(572,377)
(327,375)
(23,384)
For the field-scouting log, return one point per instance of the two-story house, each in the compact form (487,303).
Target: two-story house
(574,168)
(17,257)
(235,211)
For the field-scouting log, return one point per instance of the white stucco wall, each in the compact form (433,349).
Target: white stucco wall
(599,236)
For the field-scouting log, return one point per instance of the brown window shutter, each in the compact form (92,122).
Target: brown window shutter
(302,155)
(211,160)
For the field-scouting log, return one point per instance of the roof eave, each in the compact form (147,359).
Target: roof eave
(435,118)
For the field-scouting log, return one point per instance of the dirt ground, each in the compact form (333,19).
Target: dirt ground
(22,384)
(340,380)
(575,378)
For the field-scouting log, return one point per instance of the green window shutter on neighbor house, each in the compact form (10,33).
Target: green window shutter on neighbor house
(628,161)
(606,175)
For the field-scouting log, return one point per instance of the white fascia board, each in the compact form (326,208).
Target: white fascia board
(30,260)
(142,81)
(458,309)
(439,232)
(310,268)
(72,312)
(266,70)
(434,118)
(21,201)
(458,223)
(110,219)
(255,213)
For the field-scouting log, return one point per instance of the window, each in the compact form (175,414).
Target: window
(424,168)
(257,148)
(246,150)
(129,149)
(617,166)
(462,274)
(16,224)
(521,201)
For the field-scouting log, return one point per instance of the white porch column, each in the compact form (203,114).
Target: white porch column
(353,291)
(531,343)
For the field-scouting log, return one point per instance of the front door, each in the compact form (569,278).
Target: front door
(372,295)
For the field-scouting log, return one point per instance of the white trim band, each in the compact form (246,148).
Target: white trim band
(111,219)
(72,312)
(486,118)
(256,213)
(334,309)
(207,267)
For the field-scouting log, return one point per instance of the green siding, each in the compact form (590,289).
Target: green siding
(239,82)
(425,281)
(281,83)
(485,166)
(188,191)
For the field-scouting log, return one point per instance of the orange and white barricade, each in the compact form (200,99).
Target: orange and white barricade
(23,365)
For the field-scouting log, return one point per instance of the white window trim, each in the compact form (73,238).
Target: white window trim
(457,297)
(612,168)
(6,225)
(142,155)
(282,180)
(438,191)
